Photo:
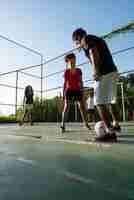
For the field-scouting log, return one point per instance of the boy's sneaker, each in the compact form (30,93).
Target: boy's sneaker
(20,123)
(31,123)
(62,129)
(88,126)
(113,137)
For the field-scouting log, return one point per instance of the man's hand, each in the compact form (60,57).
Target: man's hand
(95,76)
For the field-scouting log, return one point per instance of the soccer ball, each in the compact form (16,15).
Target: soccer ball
(100,129)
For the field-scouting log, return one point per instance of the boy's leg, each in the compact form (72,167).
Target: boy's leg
(65,113)
(89,117)
(93,116)
(84,113)
(91,113)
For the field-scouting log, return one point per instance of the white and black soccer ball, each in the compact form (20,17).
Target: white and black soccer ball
(100,129)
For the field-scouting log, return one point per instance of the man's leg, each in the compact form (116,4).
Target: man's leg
(104,116)
(115,118)
(105,93)
(110,134)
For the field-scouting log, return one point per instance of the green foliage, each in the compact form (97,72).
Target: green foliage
(46,111)
(128,90)
(120,30)
(10,118)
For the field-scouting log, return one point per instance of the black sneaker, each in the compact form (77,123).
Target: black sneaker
(20,123)
(104,138)
(113,137)
(62,129)
(109,137)
(31,123)
(117,128)
(88,126)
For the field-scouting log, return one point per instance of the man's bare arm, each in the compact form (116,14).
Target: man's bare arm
(95,62)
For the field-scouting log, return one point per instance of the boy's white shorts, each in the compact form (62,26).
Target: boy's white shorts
(105,90)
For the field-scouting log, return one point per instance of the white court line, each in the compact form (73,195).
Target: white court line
(78,178)
(22,136)
(31,162)
(20,159)
(78,142)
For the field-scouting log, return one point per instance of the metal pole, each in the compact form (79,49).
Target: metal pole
(16,92)
(123,102)
(41,76)
(41,85)
(76,117)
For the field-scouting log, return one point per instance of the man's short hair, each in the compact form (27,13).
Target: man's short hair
(69,56)
(78,34)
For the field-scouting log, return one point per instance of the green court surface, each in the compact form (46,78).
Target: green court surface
(56,167)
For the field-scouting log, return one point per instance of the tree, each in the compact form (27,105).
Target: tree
(128,90)
(121,30)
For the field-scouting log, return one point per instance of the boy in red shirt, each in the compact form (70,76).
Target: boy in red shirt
(73,86)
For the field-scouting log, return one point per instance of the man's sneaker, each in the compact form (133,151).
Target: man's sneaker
(62,129)
(117,128)
(113,137)
(109,137)
(104,138)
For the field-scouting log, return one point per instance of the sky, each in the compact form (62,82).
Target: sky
(47,26)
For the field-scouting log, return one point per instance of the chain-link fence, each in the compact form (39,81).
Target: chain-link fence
(47,82)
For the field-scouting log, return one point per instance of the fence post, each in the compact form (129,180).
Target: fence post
(41,77)
(41,85)
(76,116)
(16,92)
(123,102)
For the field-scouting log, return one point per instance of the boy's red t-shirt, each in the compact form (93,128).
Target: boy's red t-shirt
(72,79)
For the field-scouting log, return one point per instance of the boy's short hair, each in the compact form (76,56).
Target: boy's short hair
(78,34)
(69,56)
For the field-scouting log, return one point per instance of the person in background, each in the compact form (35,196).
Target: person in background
(28,105)
(91,106)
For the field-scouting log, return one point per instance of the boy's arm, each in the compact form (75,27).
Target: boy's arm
(64,86)
(81,81)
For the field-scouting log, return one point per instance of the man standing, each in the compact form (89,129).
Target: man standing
(104,73)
